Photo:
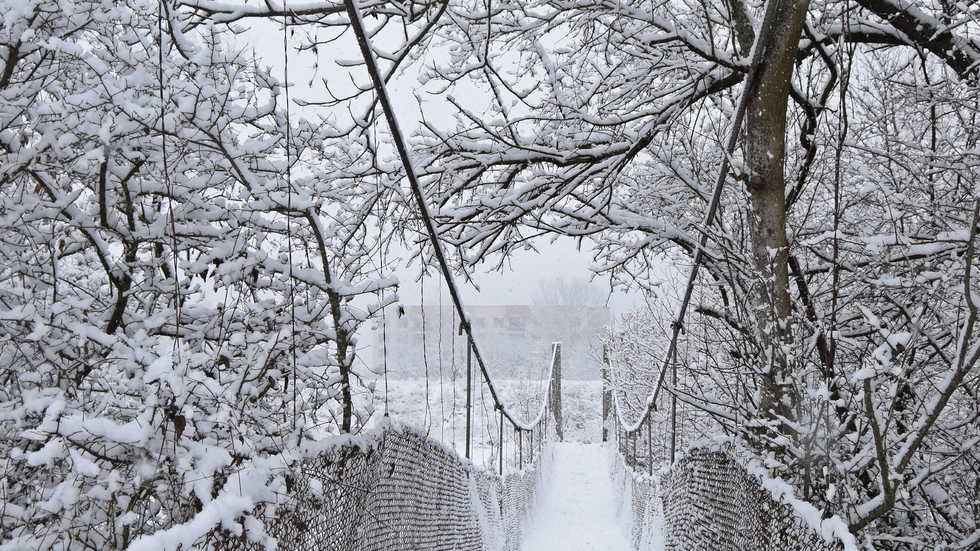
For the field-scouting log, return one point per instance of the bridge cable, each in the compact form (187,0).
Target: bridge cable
(289,210)
(384,353)
(382,263)
(452,371)
(378,80)
(442,392)
(427,416)
(168,183)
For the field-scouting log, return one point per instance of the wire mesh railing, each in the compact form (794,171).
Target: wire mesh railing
(389,490)
(393,487)
(708,497)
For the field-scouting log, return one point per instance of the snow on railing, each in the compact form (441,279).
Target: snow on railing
(709,500)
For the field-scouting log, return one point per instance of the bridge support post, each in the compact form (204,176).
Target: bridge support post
(606,395)
(501,439)
(469,392)
(649,422)
(556,392)
(633,451)
(673,415)
(619,437)
(530,448)
(520,448)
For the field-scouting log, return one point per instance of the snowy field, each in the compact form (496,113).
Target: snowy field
(439,408)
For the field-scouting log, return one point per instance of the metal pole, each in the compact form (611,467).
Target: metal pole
(556,392)
(469,392)
(501,438)
(547,412)
(520,448)
(606,401)
(619,437)
(531,447)
(633,452)
(673,415)
(649,445)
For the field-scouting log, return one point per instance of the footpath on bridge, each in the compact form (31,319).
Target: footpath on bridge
(577,511)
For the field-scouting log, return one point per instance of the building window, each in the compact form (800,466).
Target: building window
(498,322)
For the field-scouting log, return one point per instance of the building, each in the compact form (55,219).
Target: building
(515,340)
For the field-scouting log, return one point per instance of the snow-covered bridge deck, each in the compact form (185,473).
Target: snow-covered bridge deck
(577,510)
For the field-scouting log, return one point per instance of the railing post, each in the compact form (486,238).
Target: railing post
(619,437)
(606,395)
(673,414)
(649,422)
(633,451)
(530,448)
(520,448)
(469,392)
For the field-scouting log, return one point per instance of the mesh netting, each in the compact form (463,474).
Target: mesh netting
(402,492)
(640,501)
(709,501)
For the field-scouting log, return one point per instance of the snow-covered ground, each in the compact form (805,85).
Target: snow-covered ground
(577,510)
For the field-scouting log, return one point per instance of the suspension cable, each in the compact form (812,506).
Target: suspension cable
(400,144)
(384,314)
(427,417)
(442,391)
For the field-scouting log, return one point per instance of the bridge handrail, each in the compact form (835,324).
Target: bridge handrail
(391,487)
(717,474)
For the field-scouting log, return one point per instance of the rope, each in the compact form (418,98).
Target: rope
(384,353)
(442,392)
(169,185)
(382,263)
(452,371)
(427,417)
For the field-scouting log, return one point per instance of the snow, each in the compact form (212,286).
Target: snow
(577,511)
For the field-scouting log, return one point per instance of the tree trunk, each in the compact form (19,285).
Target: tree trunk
(764,151)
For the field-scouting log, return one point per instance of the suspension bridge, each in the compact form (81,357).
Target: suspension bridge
(395,488)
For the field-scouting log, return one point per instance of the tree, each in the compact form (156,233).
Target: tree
(178,276)
(608,120)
